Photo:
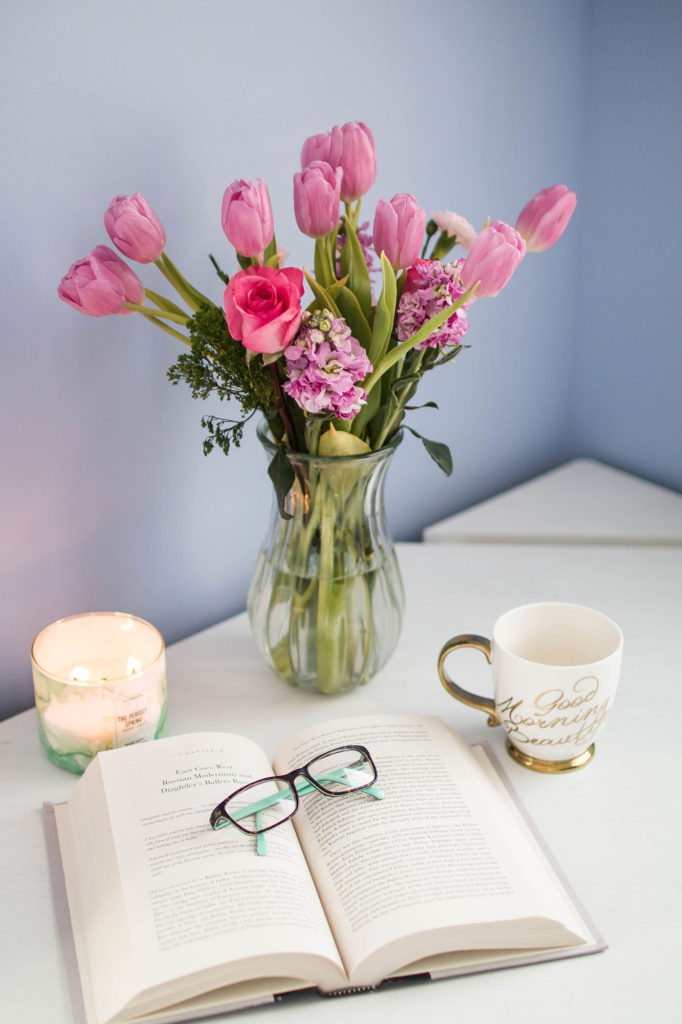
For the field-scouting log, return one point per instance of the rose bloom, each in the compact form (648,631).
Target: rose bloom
(263,307)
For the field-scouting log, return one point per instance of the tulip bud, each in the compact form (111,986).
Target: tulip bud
(316,198)
(315,148)
(399,229)
(350,147)
(544,218)
(494,257)
(133,289)
(134,228)
(247,217)
(91,287)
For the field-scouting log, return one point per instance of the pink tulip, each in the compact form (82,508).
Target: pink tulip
(263,307)
(494,257)
(544,218)
(247,217)
(133,289)
(316,148)
(316,198)
(134,228)
(350,147)
(399,229)
(91,285)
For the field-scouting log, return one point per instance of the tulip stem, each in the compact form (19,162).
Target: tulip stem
(176,318)
(192,297)
(159,323)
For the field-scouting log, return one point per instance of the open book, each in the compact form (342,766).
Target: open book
(170,920)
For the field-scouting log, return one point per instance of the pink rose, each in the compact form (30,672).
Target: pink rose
(263,307)
(544,218)
(494,257)
(134,228)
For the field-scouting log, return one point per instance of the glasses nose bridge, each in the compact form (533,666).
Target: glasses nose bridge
(298,772)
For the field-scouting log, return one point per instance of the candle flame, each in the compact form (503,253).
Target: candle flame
(133,667)
(79,674)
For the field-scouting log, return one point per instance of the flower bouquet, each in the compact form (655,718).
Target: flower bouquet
(333,378)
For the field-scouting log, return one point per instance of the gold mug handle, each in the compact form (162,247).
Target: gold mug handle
(479,643)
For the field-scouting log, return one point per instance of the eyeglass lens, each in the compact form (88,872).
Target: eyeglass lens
(341,771)
(269,802)
(262,805)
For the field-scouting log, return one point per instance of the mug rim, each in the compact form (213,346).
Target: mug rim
(615,650)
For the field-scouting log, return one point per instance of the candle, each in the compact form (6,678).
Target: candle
(100,682)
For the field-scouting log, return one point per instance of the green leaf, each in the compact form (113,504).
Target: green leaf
(424,405)
(366,414)
(354,317)
(270,251)
(282,475)
(439,452)
(164,303)
(323,297)
(384,314)
(354,264)
(182,285)
(324,268)
(401,383)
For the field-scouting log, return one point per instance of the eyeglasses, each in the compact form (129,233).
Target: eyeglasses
(267,803)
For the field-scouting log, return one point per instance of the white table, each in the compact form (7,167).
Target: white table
(614,826)
(582,502)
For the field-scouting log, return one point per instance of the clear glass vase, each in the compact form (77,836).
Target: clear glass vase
(326,600)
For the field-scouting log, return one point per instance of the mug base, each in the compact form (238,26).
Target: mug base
(537,764)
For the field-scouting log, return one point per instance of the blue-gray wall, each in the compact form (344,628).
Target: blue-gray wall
(107,500)
(626,405)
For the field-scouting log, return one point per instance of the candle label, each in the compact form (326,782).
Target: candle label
(133,722)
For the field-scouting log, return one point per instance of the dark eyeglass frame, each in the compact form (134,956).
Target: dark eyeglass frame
(220,816)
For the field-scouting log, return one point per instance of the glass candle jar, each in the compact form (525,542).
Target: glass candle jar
(100,682)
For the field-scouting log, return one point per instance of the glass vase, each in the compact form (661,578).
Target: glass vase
(326,599)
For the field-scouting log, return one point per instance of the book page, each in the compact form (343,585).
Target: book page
(438,864)
(165,897)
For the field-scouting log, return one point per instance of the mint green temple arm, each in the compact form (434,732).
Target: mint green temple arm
(302,787)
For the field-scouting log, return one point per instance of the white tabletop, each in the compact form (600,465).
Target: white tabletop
(614,826)
(582,502)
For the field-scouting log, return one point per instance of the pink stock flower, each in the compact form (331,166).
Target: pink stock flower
(429,287)
(247,217)
(455,225)
(324,365)
(97,285)
(316,198)
(494,257)
(134,228)
(263,307)
(399,229)
(350,147)
(544,218)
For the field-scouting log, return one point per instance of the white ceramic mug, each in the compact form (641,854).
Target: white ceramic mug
(555,673)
